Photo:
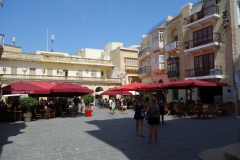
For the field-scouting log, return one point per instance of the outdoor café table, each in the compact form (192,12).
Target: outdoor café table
(69,110)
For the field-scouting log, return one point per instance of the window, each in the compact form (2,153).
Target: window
(175,38)
(93,73)
(158,59)
(131,62)
(49,72)
(203,36)
(102,73)
(203,64)
(173,64)
(155,37)
(32,71)
(79,73)
(13,70)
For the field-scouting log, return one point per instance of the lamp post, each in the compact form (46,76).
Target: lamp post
(52,38)
(14,40)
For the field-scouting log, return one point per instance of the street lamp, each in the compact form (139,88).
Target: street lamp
(14,40)
(52,38)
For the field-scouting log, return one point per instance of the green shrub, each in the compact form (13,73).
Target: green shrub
(128,98)
(88,99)
(146,97)
(28,103)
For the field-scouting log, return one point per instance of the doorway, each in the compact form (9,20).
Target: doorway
(207,93)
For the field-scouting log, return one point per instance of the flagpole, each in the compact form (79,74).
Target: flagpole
(47,39)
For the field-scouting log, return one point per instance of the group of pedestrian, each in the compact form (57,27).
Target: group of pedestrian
(151,110)
(119,103)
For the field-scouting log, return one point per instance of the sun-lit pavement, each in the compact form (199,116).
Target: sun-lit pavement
(106,136)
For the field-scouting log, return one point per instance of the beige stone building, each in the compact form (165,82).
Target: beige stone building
(89,67)
(198,45)
(151,57)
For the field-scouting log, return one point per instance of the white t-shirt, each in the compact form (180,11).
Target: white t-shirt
(110,102)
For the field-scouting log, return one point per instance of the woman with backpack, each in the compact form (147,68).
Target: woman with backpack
(153,119)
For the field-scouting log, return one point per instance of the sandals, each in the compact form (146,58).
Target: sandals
(156,141)
(142,135)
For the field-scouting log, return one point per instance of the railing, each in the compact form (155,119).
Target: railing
(39,57)
(143,52)
(196,72)
(204,13)
(59,78)
(214,37)
(172,46)
(172,74)
(144,70)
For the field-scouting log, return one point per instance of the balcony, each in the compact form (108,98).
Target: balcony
(157,45)
(57,59)
(173,74)
(174,46)
(131,68)
(24,77)
(204,73)
(144,71)
(143,53)
(211,41)
(209,14)
(157,68)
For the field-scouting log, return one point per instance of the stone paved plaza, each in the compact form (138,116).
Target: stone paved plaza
(105,136)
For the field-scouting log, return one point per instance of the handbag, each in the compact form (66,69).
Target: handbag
(142,114)
(146,117)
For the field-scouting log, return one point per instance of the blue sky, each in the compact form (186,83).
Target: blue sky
(79,24)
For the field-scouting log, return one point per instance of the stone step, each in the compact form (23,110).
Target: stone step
(232,151)
(213,154)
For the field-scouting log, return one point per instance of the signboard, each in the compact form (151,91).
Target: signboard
(171,46)
(229,93)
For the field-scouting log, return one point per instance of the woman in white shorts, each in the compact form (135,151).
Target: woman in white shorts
(124,106)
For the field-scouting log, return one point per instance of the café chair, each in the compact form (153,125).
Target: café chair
(37,115)
(53,113)
(47,113)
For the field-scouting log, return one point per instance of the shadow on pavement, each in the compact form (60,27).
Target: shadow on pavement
(8,132)
(181,138)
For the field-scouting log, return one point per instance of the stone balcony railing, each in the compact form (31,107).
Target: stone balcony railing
(58,59)
(58,78)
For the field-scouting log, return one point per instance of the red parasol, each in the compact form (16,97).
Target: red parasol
(109,92)
(23,88)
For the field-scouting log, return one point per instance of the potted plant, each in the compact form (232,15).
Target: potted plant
(27,103)
(88,99)
(128,99)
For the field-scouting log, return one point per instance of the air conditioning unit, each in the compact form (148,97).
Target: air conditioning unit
(213,72)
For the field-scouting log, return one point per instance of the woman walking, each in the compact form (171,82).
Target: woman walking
(138,106)
(153,119)
(113,106)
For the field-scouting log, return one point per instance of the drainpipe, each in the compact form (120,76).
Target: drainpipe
(233,50)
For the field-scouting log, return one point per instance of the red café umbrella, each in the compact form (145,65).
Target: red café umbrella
(192,83)
(23,88)
(185,84)
(151,87)
(129,87)
(75,89)
(45,85)
(112,93)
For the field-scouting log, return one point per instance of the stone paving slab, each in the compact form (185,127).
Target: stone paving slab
(106,136)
